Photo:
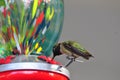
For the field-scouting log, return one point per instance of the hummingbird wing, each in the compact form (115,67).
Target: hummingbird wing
(77,49)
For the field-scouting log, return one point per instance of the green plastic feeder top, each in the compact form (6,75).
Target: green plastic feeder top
(30,27)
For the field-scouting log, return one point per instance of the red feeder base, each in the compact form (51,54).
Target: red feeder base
(31,75)
(32,71)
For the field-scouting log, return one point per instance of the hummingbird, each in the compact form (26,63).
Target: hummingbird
(72,49)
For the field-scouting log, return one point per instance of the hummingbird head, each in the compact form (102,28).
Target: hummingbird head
(56,50)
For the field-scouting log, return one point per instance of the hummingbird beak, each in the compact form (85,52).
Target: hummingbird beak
(53,58)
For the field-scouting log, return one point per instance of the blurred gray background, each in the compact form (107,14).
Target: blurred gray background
(96,25)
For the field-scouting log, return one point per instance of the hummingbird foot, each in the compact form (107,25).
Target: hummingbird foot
(71,59)
(59,68)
